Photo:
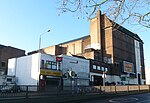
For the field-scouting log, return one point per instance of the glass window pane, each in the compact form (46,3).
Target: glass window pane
(94,66)
(98,68)
(103,68)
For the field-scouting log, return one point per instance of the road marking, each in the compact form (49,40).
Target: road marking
(123,100)
(145,101)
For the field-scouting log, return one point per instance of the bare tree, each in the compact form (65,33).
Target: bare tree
(133,11)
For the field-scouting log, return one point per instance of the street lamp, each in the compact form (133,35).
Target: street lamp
(39,54)
(40,39)
(104,77)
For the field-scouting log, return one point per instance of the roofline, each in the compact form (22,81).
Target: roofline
(126,31)
(81,38)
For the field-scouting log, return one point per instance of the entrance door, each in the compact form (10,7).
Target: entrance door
(52,84)
(139,79)
(98,80)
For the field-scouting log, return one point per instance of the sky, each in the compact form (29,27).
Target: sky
(23,21)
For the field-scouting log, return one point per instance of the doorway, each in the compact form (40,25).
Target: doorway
(139,79)
(98,80)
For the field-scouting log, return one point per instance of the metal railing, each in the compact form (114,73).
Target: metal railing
(31,90)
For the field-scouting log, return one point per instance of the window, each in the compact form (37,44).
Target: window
(59,66)
(98,68)
(3,64)
(94,66)
(42,64)
(106,69)
(9,79)
(50,65)
(123,79)
(54,65)
(103,68)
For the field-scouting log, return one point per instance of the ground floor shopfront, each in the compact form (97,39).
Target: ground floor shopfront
(50,79)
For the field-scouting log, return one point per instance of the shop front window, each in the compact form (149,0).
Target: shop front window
(42,64)
(51,65)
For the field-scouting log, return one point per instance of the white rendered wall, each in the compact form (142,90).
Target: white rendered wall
(137,57)
(48,57)
(28,70)
(79,66)
(12,67)
(147,74)
(25,68)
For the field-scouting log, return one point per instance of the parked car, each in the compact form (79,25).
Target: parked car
(10,89)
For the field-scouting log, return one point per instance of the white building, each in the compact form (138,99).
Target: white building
(147,73)
(36,69)
(47,70)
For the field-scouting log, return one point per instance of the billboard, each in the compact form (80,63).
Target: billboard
(128,67)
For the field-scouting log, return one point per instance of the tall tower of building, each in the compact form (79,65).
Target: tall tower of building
(95,31)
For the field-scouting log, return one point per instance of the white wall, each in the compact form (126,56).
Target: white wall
(137,58)
(28,70)
(147,74)
(12,67)
(79,66)
(48,57)
(25,68)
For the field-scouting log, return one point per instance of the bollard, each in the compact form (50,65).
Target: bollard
(26,91)
(128,88)
(100,89)
(115,89)
(139,88)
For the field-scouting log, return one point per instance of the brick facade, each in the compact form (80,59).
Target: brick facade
(7,52)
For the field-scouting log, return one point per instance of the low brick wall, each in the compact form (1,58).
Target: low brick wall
(126,88)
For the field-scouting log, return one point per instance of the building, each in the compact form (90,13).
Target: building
(147,71)
(80,67)
(110,44)
(47,71)
(7,52)
(37,70)
(6,80)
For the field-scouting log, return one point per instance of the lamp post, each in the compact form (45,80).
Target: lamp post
(40,39)
(104,77)
(39,55)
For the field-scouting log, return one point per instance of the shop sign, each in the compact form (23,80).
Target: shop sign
(50,72)
(128,67)
(58,59)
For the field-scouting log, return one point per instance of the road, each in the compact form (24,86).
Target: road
(138,98)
